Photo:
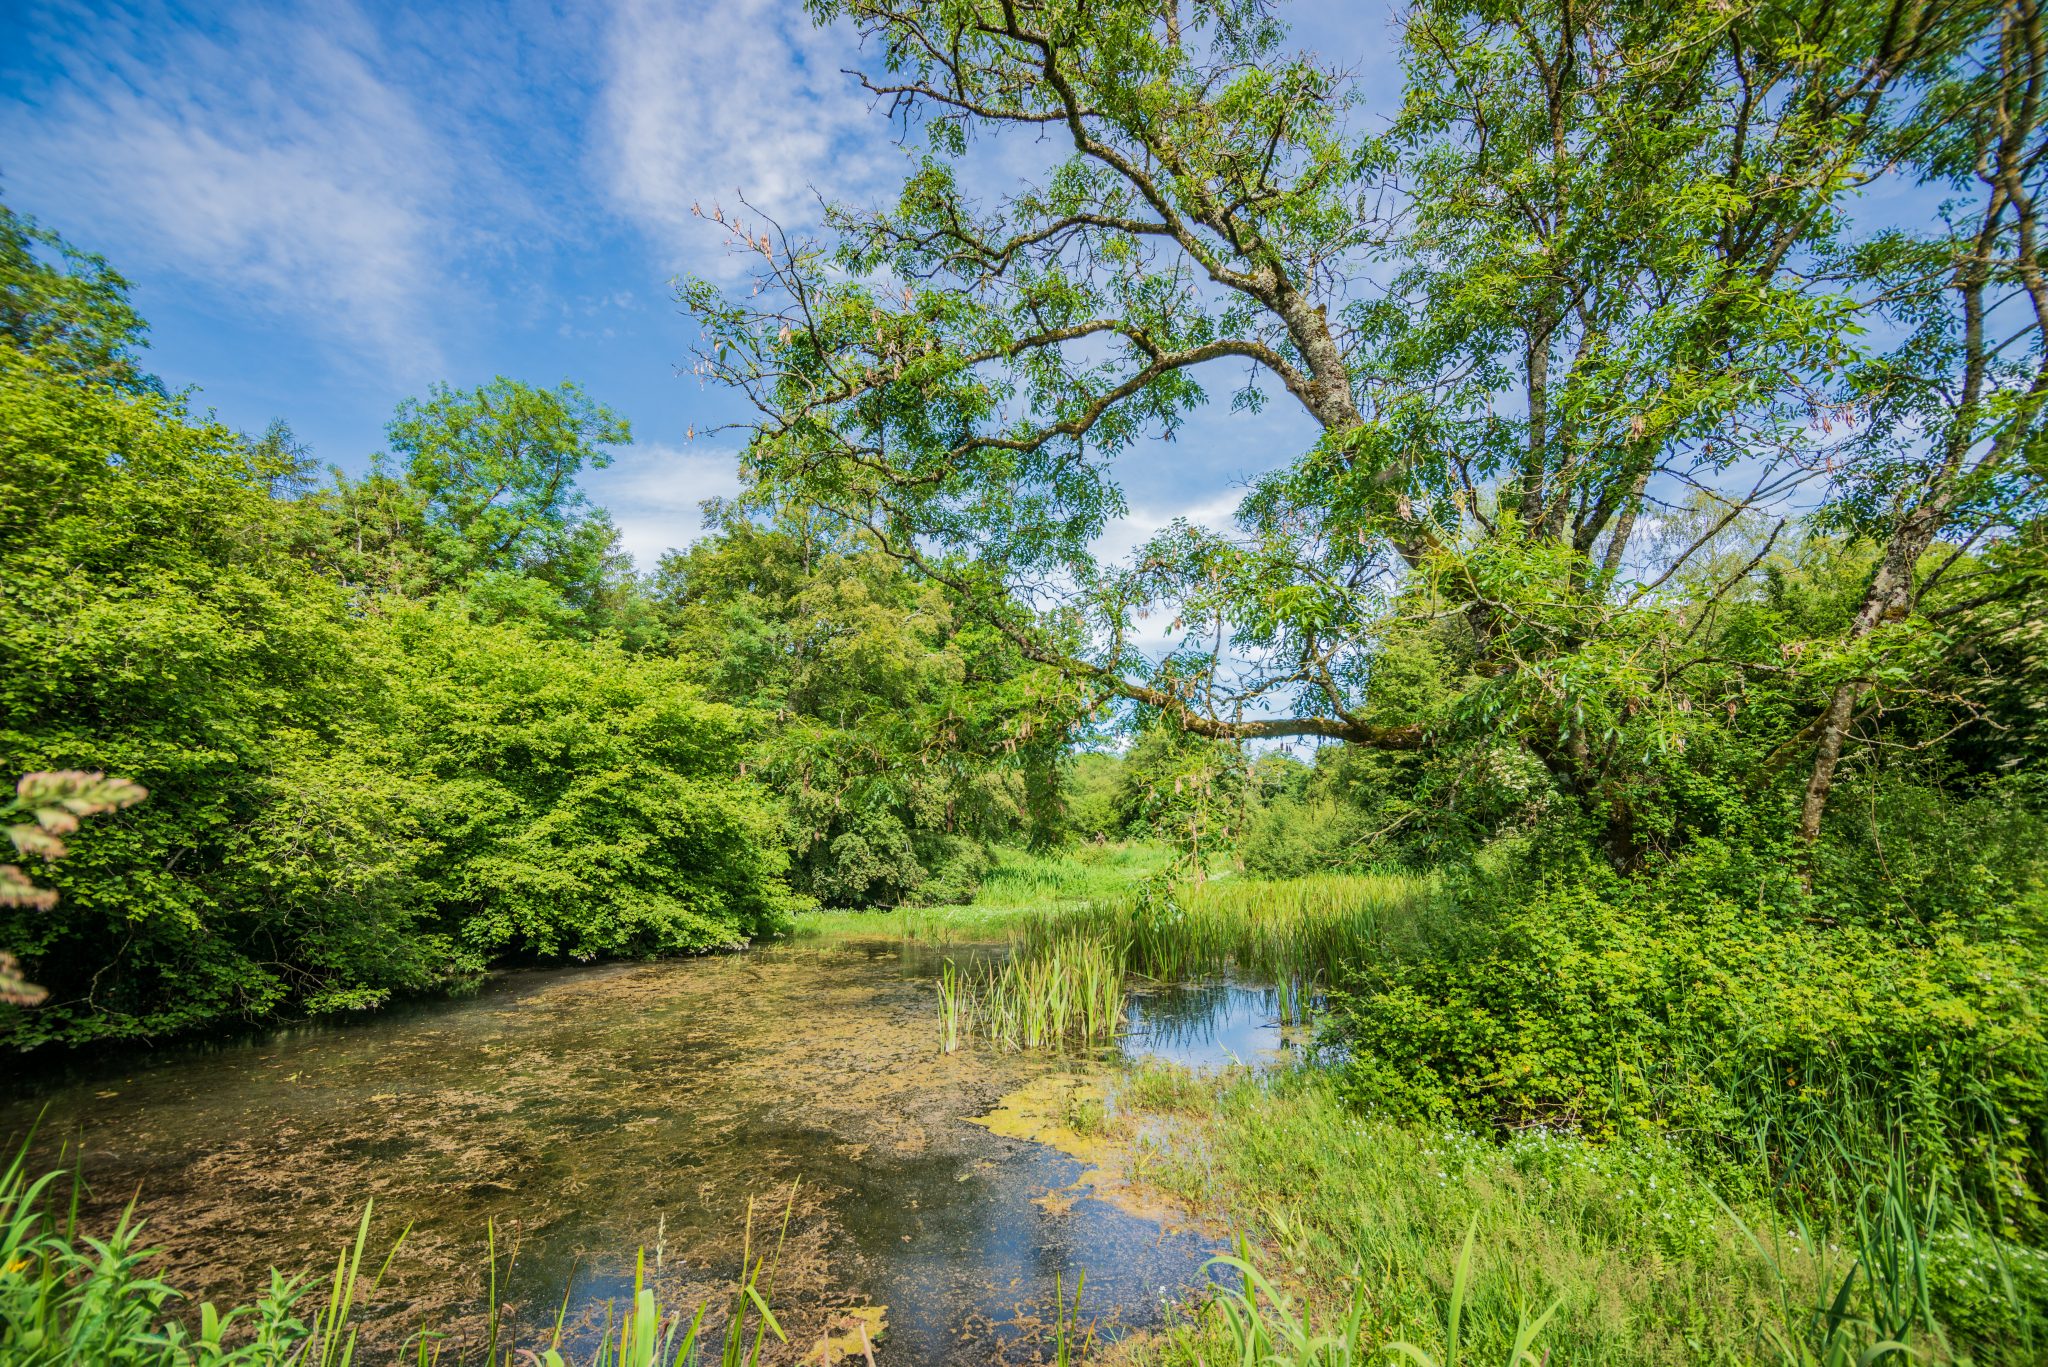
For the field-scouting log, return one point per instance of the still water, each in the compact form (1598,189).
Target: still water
(592,1112)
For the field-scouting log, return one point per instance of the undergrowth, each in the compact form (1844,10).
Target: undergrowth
(1573,1251)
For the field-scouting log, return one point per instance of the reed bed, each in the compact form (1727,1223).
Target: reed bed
(1067,991)
(1064,983)
(1296,933)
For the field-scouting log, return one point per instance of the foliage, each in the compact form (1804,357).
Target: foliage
(1183,788)
(904,740)
(53,804)
(157,624)
(1638,1253)
(478,495)
(357,792)
(1704,1004)
(577,800)
(1572,332)
(1088,788)
(68,308)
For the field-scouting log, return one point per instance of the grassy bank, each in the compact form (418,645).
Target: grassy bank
(1021,888)
(1626,1253)
(1630,1228)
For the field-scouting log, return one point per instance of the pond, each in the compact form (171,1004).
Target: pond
(592,1112)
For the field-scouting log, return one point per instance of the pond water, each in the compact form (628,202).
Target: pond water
(591,1112)
(1207,1025)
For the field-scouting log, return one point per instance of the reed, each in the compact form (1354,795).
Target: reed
(1066,991)
(1295,933)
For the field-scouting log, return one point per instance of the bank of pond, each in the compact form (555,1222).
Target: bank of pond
(1105,1127)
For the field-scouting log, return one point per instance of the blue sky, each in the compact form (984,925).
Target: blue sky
(325,208)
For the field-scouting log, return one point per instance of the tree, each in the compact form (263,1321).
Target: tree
(1574,283)
(1951,437)
(902,737)
(495,471)
(355,793)
(69,307)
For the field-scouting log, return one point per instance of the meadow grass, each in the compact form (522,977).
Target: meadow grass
(1371,1240)
(1022,886)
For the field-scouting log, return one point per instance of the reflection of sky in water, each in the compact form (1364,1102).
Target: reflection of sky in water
(1204,1025)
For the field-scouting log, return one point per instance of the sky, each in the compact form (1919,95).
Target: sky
(326,208)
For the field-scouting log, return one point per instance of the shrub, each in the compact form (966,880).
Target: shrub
(1741,1027)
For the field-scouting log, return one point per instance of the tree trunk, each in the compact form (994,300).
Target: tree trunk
(1888,599)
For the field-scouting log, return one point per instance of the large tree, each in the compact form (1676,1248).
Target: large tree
(1590,279)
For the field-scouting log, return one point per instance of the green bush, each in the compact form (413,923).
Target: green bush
(1294,839)
(1740,1026)
(351,794)
(583,801)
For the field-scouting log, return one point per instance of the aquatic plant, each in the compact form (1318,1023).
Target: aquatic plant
(1295,932)
(1065,991)
(1070,1341)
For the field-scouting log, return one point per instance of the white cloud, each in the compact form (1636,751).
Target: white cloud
(267,156)
(703,103)
(652,492)
(1124,535)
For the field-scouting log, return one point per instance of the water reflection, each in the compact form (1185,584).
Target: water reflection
(1209,1025)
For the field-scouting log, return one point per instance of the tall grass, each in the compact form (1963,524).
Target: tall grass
(1064,982)
(1068,991)
(1647,1256)
(1263,1324)
(1298,932)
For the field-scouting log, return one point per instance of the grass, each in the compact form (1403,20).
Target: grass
(1364,1238)
(1262,1324)
(1063,982)
(1618,1253)
(1021,887)
(1298,933)
(1636,1250)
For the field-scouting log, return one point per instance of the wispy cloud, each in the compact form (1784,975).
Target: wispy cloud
(653,492)
(1124,535)
(708,102)
(266,152)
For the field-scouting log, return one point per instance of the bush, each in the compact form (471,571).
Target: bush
(352,795)
(1293,839)
(1738,1026)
